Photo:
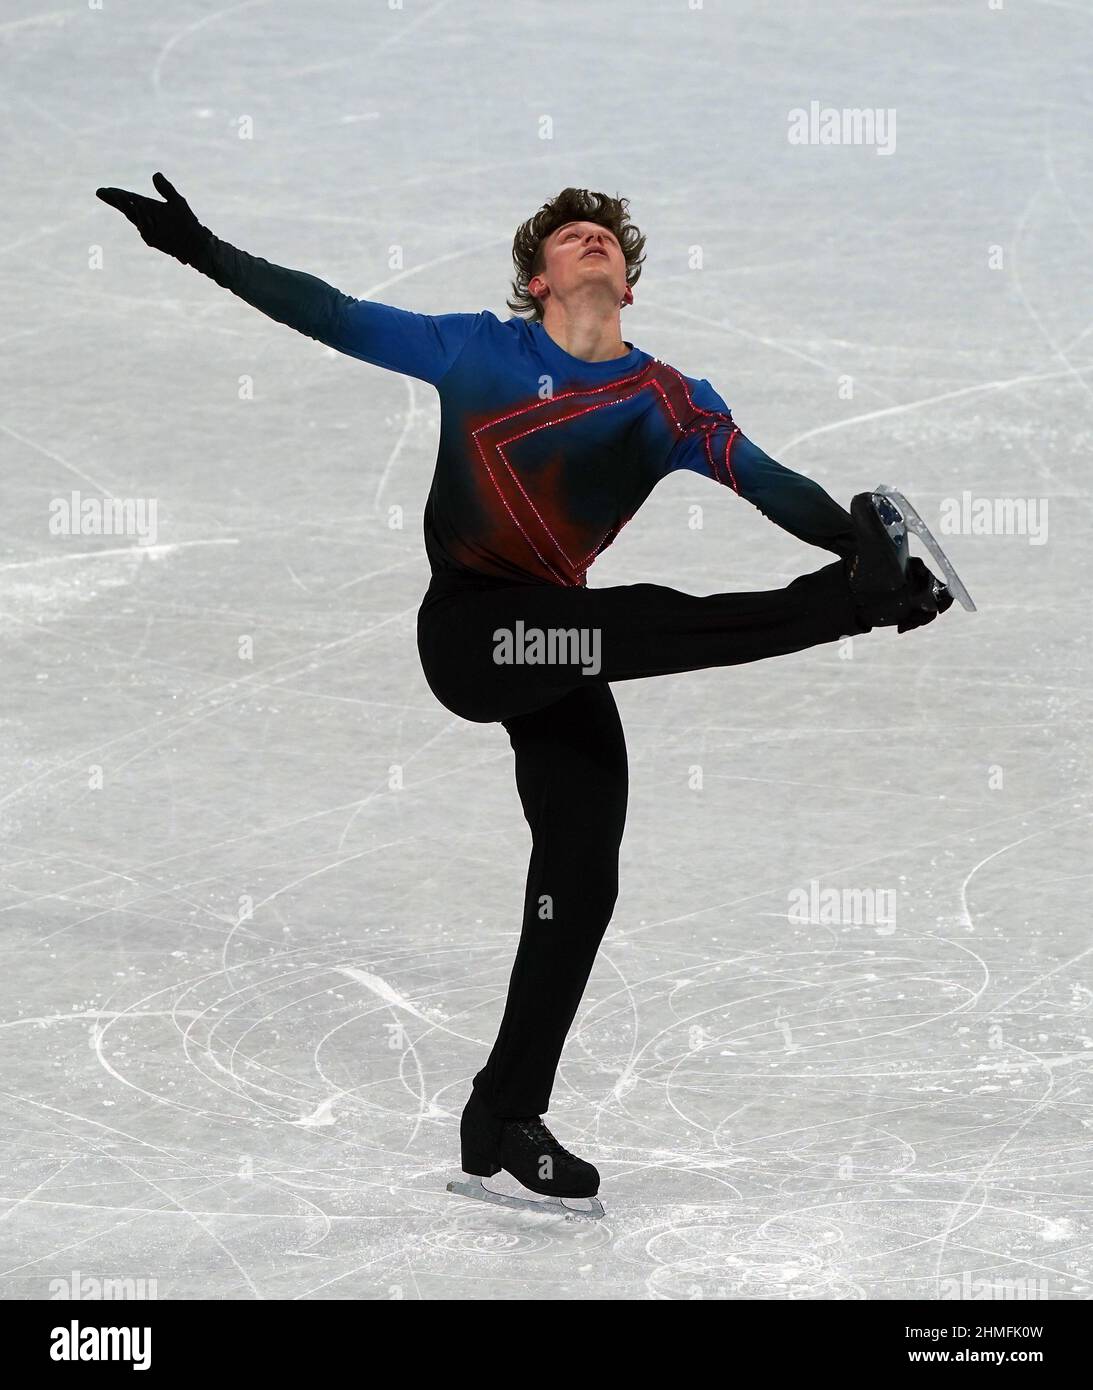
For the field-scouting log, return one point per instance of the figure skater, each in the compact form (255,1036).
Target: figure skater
(554,430)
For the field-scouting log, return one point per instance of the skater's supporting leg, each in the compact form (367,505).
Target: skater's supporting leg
(572,778)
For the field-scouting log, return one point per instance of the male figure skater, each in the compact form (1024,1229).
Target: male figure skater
(554,429)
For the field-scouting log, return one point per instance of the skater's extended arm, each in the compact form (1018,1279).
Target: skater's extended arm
(713,444)
(420,345)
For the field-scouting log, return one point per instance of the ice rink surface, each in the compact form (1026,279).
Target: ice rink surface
(261,892)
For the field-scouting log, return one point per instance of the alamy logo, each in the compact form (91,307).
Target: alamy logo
(852,125)
(995,516)
(104,516)
(968,1290)
(551,646)
(89,1286)
(850,907)
(76,1343)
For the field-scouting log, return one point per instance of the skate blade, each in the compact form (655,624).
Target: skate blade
(477,1190)
(916,525)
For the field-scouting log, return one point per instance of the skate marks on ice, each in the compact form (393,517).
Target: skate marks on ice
(836,1121)
(861,1145)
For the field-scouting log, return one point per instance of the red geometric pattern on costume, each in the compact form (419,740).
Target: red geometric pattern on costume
(556,540)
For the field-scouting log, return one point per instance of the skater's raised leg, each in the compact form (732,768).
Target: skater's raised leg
(627,632)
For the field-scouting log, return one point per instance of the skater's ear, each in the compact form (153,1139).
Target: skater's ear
(628,297)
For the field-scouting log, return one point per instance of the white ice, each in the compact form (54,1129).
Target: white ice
(259,906)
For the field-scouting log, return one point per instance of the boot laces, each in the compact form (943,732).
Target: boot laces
(534,1130)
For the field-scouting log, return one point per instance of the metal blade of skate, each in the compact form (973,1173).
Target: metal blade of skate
(916,525)
(477,1190)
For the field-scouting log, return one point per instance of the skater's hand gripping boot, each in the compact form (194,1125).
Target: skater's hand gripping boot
(928,595)
(169,226)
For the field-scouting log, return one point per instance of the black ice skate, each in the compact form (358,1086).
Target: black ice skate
(891,587)
(913,522)
(527,1150)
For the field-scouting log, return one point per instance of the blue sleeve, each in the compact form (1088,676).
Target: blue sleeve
(419,345)
(711,443)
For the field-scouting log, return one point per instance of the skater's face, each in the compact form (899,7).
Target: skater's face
(578,255)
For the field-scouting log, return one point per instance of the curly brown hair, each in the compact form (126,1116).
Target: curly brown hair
(571,205)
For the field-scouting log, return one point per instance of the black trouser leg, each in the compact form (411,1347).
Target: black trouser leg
(572,779)
(638,630)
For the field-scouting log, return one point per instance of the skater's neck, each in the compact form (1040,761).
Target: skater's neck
(582,329)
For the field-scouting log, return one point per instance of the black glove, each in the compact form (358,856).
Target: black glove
(168,226)
(929,596)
